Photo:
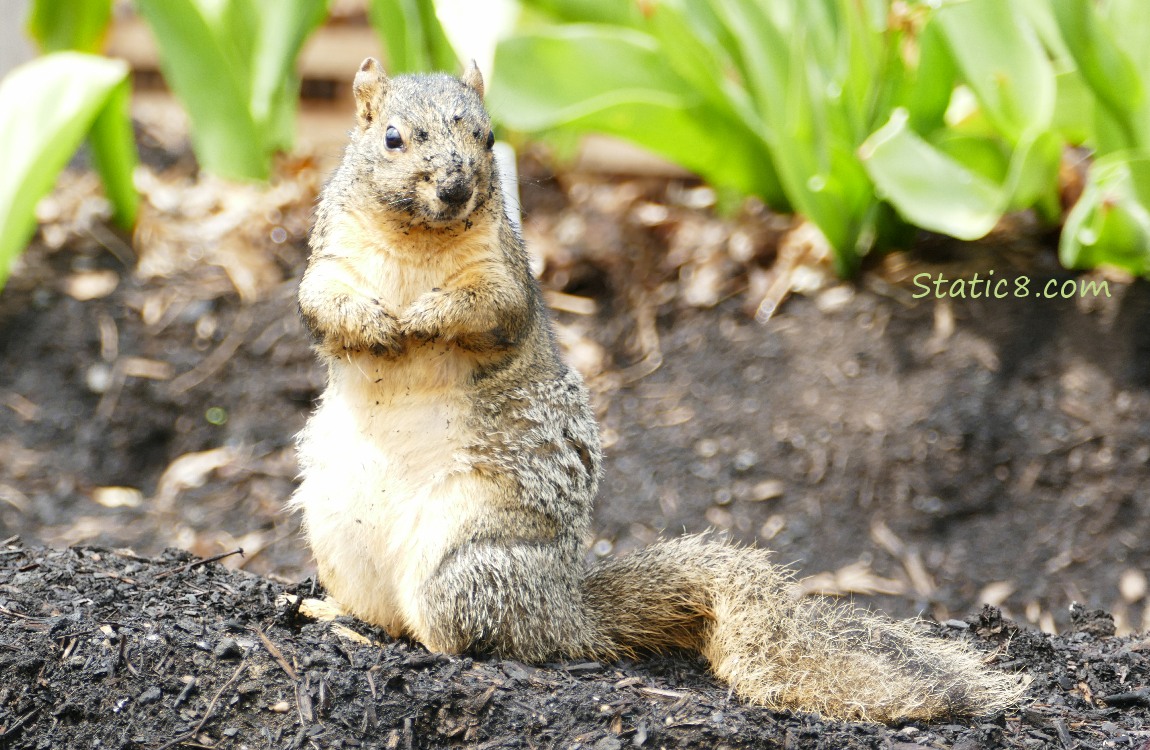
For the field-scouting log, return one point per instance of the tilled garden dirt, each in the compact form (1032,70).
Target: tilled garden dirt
(105,649)
(922,455)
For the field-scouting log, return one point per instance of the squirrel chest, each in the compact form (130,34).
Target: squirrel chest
(388,483)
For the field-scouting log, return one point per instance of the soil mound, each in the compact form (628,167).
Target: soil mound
(102,648)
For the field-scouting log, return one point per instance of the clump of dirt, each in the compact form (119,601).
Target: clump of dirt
(104,648)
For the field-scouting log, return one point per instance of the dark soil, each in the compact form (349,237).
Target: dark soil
(921,455)
(105,649)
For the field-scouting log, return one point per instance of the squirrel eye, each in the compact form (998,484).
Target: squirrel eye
(490,138)
(392,139)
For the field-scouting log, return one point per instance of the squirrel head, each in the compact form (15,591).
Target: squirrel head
(423,145)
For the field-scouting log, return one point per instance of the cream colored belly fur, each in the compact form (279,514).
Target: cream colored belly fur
(387,486)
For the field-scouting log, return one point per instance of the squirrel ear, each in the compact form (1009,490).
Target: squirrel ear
(472,78)
(370,83)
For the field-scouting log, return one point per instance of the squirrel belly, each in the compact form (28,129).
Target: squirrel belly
(449,470)
(384,486)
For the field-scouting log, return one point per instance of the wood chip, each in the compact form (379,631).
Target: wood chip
(25,409)
(856,578)
(90,285)
(662,693)
(109,337)
(348,634)
(319,609)
(768,489)
(570,303)
(189,471)
(218,356)
(1132,585)
(884,537)
(996,593)
(118,497)
(277,655)
(920,578)
(150,369)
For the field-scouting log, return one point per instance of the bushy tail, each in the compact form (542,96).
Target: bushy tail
(730,603)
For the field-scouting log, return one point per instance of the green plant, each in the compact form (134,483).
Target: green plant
(231,63)
(79,25)
(47,107)
(959,175)
(412,36)
(859,114)
(754,100)
(1108,43)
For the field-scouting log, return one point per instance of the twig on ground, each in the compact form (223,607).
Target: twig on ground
(276,654)
(207,714)
(218,357)
(197,563)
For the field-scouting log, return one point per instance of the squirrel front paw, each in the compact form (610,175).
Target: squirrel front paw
(423,321)
(367,328)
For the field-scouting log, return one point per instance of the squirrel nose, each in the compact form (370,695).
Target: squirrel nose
(454,193)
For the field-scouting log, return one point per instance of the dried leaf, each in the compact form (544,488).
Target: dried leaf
(89,285)
(191,470)
(118,497)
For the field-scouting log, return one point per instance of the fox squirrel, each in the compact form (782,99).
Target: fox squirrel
(450,467)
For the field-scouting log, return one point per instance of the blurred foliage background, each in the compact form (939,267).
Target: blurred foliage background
(870,118)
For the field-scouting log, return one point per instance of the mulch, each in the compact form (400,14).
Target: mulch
(104,648)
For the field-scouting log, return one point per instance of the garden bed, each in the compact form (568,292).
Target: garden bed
(107,649)
(922,455)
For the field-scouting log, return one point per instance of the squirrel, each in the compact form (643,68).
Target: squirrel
(450,466)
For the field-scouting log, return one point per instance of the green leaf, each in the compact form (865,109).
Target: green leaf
(47,106)
(547,79)
(590,11)
(1074,108)
(1107,69)
(1110,223)
(114,153)
(930,85)
(203,67)
(813,112)
(1041,17)
(59,25)
(615,81)
(412,35)
(1033,174)
(1129,20)
(999,55)
(699,59)
(282,28)
(984,155)
(231,64)
(927,187)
